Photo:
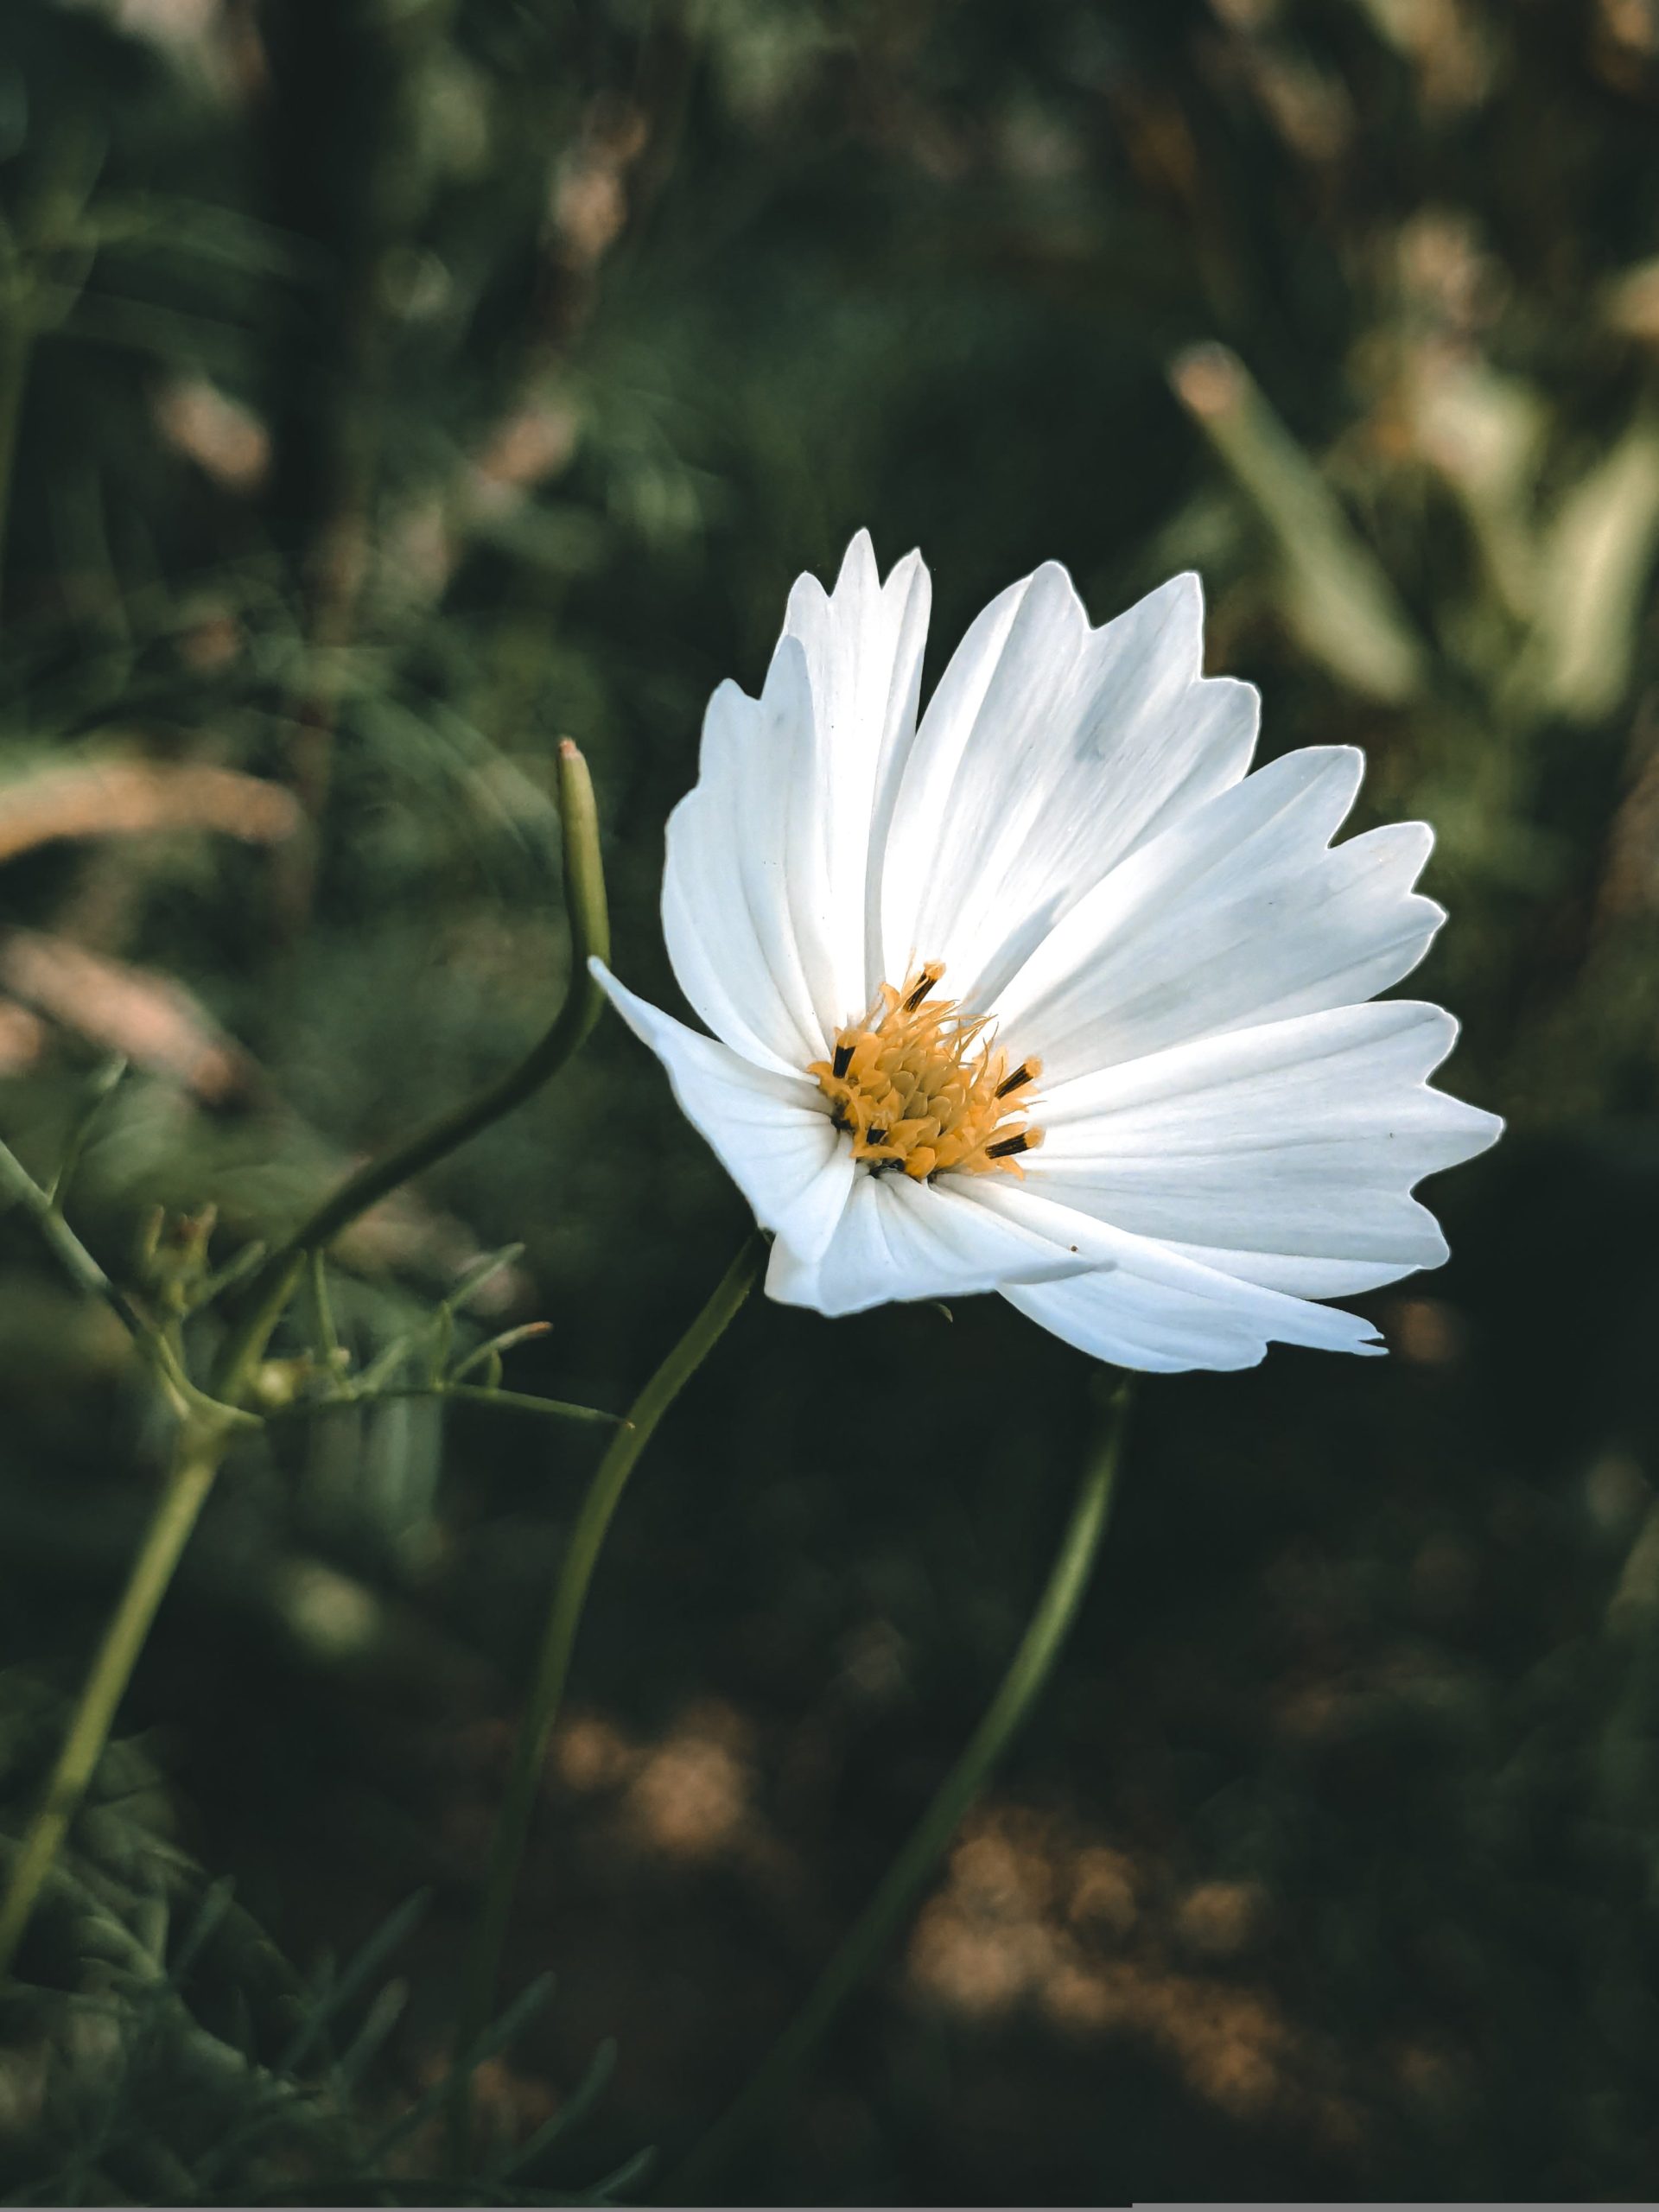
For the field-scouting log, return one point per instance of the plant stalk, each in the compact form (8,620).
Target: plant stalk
(72,1255)
(907,1876)
(584,1001)
(175,1516)
(553,1664)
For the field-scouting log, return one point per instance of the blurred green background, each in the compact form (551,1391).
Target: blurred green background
(388,387)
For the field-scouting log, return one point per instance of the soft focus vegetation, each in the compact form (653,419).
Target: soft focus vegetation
(389,387)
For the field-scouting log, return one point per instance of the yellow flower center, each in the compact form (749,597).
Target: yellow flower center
(917,1087)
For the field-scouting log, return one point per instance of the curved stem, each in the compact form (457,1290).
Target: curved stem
(175,1516)
(906,1877)
(584,1001)
(553,1663)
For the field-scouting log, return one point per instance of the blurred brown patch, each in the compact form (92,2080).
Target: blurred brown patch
(1218,1920)
(1626,43)
(534,442)
(590,200)
(692,1797)
(1448,44)
(149,1020)
(227,441)
(1102,1894)
(22,1036)
(1425,1331)
(125,798)
(977,1966)
(1032,1914)
(590,1753)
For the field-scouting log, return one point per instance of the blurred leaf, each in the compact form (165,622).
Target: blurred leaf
(1333,594)
(1596,561)
(1485,433)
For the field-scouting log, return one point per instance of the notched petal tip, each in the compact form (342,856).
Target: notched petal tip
(1185,584)
(1482,1128)
(788,683)
(858,572)
(807,601)
(1342,765)
(1179,600)
(908,569)
(861,547)
(1051,582)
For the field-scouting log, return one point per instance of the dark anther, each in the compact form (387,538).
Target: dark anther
(1021,1074)
(1021,1143)
(930,977)
(844,1061)
(875,1136)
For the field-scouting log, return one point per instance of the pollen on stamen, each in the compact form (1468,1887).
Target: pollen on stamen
(914,994)
(1023,1140)
(919,1087)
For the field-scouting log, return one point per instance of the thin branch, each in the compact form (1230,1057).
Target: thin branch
(471,1394)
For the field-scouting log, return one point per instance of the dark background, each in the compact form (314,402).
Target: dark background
(399,385)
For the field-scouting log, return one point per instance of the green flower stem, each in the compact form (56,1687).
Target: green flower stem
(469,1394)
(207,1421)
(553,1664)
(518,1401)
(584,1001)
(175,1516)
(908,1875)
(77,1262)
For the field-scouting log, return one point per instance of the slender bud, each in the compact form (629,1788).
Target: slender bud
(584,875)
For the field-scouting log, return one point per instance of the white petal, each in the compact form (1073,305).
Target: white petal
(726,914)
(1150,1306)
(772,1139)
(766,894)
(1284,1155)
(1133,1323)
(898,1239)
(1048,753)
(863,645)
(1240,914)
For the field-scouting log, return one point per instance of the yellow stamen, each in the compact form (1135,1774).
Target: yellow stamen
(917,1087)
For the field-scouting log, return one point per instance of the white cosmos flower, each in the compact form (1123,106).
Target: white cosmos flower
(1043,993)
